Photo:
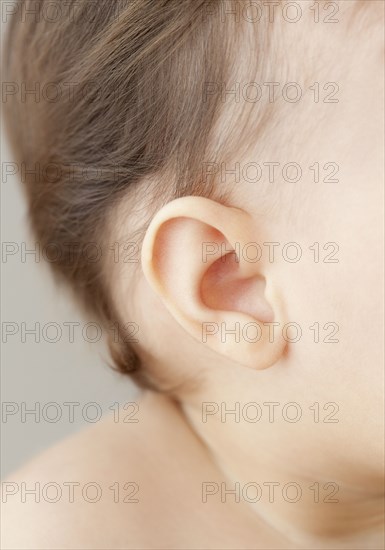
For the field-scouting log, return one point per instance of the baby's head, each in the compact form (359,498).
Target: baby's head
(210,183)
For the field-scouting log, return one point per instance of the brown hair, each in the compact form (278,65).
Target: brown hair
(107,98)
(106,101)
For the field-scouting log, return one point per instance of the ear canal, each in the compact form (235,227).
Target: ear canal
(223,289)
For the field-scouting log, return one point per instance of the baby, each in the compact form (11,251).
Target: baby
(226,158)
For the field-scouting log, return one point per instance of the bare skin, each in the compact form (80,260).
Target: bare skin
(163,456)
(171,453)
(165,464)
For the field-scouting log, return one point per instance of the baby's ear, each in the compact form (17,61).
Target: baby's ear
(191,258)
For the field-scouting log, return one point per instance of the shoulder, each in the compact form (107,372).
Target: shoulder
(99,488)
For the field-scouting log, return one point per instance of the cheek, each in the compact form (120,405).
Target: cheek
(360,273)
(344,299)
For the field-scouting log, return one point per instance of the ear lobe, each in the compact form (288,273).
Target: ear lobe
(190,257)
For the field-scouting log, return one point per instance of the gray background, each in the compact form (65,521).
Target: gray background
(46,371)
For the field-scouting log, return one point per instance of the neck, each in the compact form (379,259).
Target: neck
(293,480)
